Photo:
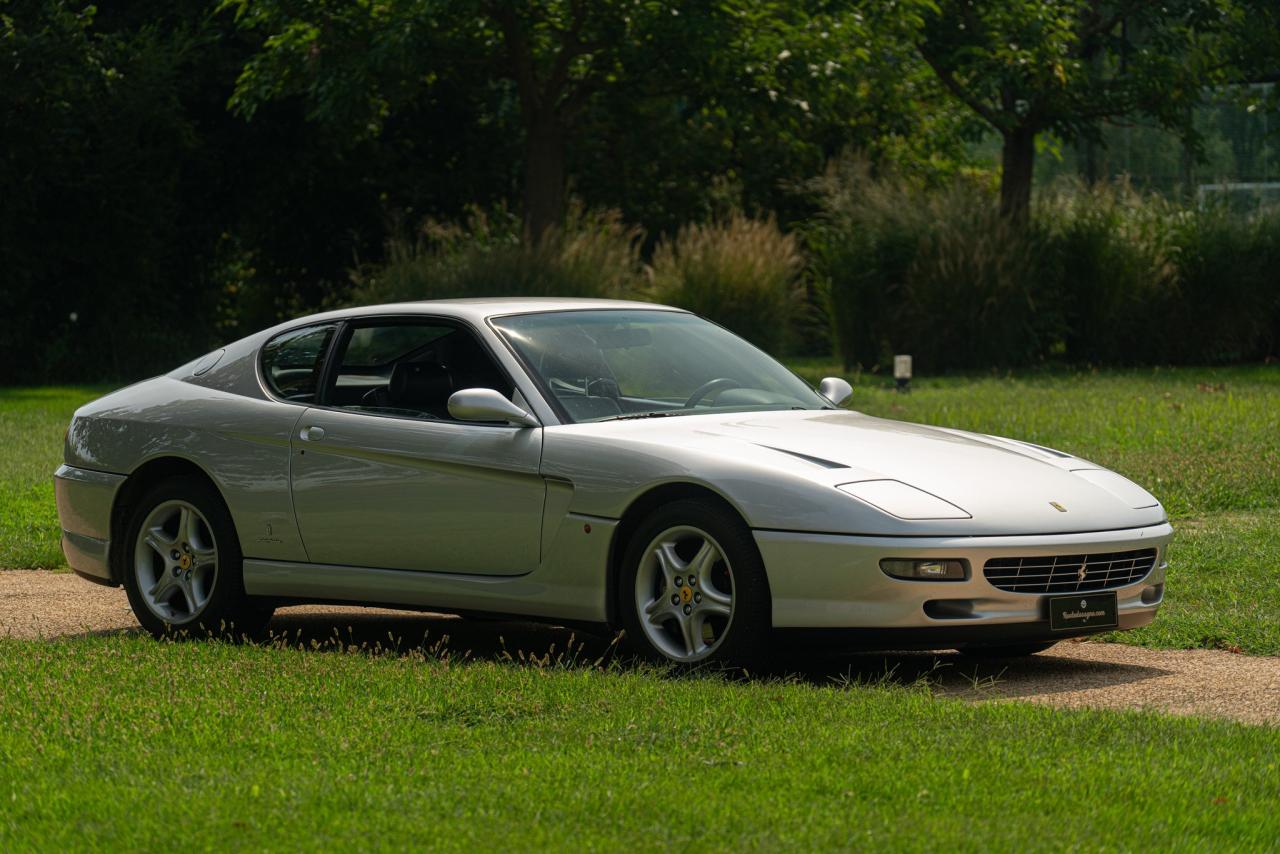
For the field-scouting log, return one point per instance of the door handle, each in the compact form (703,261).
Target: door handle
(311,434)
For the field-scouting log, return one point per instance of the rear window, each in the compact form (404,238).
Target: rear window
(291,362)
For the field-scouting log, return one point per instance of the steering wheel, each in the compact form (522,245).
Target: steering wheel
(603,387)
(710,387)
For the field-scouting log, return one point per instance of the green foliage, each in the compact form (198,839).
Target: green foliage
(348,59)
(1100,275)
(939,274)
(143,221)
(1227,304)
(1065,66)
(94,140)
(594,255)
(1111,252)
(131,201)
(534,68)
(739,272)
(759,92)
(1200,280)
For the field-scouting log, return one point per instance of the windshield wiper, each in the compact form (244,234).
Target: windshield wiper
(663,414)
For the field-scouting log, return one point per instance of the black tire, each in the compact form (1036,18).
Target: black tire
(745,637)
(1012,650)
(228,611)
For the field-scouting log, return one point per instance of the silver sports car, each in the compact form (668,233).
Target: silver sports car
(585,461)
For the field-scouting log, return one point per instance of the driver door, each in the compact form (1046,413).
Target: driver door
(384,478)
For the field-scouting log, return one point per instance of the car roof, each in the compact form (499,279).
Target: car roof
(482,308)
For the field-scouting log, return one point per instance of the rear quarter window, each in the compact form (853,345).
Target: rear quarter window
(291,362)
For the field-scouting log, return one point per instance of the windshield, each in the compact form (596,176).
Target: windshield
(624,363)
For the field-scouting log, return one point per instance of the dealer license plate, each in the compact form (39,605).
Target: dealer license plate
(1083,611)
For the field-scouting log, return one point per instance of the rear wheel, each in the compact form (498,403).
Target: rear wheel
(1013,650)
(183,570)
(694,588)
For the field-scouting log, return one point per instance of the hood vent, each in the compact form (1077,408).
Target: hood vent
(817,461)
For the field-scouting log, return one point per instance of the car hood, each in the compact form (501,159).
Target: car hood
(1001,486)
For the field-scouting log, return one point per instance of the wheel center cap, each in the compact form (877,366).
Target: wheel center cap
(686,595)
(185,561)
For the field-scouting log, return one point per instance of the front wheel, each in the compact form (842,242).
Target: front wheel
(183,568)
(694,588)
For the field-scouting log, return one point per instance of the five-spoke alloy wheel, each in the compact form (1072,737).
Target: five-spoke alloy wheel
(685,590)
(694,587)
(176,562)
(183,568)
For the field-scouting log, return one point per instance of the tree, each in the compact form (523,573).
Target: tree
(1066,66)
(760,109)
(140,222)
(633,84)
(93,138)
(355,63)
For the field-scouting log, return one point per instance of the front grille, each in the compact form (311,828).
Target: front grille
(1062,573)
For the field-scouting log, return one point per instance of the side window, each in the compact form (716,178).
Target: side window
(370,346)
(411,369)
(291,362)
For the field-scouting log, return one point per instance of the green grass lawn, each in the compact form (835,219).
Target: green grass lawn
(1222,591)
(127,743)
(1206,441)
(32,424)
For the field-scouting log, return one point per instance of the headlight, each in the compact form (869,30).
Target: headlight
(925,570)
(899,499)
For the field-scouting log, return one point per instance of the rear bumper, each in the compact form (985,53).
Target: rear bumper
(85,498)
(826,581)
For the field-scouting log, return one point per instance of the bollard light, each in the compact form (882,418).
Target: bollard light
(902,372)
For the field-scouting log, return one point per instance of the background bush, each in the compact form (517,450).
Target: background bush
(594,255)
(1227,302)
(175,174)
(740,272)
(1100,275)
(937,273)
(1110,253)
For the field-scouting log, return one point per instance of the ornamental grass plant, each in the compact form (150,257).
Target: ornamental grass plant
(595,254)
(743,273)
(1102,275)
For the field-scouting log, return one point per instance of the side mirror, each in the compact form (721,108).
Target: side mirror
(485,404)
(835,390)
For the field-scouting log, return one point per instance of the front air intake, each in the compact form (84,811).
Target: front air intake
(1069,573)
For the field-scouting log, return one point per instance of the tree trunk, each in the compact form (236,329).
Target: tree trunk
(544,178)
(1017,161)
(1092,164)
(1093,57)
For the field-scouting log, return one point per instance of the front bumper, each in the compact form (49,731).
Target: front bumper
(830,581)
(85,498)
